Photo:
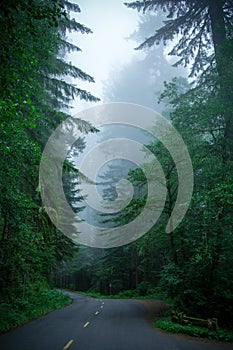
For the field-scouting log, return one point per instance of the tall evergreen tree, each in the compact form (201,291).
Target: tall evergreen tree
(205,40)
(151,69)
(34,89)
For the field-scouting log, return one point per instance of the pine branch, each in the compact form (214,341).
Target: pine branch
(71,24)
(59,88)
(68,47)
(61,68)
(71,6)
(147,5)
(191,20)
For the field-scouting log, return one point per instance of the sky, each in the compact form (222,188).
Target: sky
(110,58)
(107,48)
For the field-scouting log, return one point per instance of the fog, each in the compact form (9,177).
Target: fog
(122,74)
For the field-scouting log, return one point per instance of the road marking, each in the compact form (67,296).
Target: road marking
(101,306)
(68,344)
(103,303)
(97,312)
(86,324)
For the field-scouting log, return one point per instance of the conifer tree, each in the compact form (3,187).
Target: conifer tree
(204,33)
(34,92)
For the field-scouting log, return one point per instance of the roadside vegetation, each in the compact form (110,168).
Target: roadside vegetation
(191,266)
(222,334)
(128,294)
(21,310)
(35,94)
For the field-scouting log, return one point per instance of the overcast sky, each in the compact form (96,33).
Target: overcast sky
(103,54)
(107,48)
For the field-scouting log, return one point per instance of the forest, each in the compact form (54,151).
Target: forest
(191,266)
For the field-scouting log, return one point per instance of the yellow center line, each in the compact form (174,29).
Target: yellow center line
(86,324)
(68,344)
(97,312)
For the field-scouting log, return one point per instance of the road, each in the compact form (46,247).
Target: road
(98,324)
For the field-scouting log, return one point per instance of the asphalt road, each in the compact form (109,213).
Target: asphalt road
(98,324)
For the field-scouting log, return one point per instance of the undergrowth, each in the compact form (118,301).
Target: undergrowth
(18,311)
(128,294)
(167,325)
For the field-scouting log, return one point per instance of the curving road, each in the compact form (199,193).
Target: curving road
(98,324)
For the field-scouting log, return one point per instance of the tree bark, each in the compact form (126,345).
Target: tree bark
(224,65)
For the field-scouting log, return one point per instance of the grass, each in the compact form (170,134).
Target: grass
(20,311)
(103,296)
(127,294)
(166,324)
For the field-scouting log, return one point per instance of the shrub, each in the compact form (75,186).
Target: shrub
(20,310)
(221,334)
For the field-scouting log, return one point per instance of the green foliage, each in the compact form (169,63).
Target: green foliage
(195,22)
(21,310)
(202,272)
(34,88)
(153,293)
(198,273)
(221,334)
(193,264)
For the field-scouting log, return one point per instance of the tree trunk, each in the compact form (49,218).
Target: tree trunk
(171,234)
(224,65)
(173,249)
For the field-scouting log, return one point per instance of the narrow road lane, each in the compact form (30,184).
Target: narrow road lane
(97,324)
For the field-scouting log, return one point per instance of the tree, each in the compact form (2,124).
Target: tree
(33,92)
(205,41)
(150,69)
(202,274)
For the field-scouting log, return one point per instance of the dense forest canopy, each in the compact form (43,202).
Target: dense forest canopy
(192,264)
(205,37)
(35,93)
